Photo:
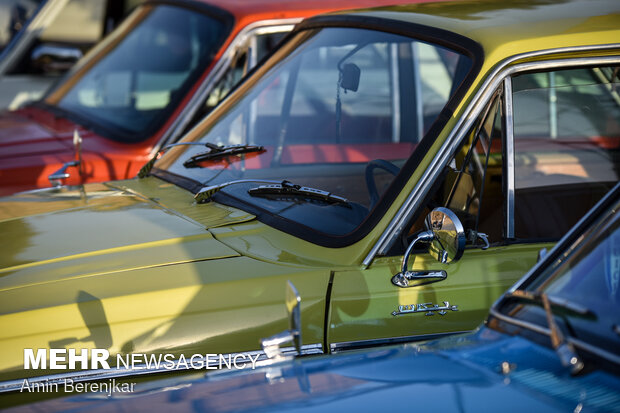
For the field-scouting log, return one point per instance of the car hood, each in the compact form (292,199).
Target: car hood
(461,374)
(53,235)
(33,132)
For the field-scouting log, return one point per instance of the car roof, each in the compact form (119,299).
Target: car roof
(505,28)
(246,11)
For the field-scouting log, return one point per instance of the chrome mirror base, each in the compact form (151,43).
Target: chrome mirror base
(417,278)
(57,178)
(272,346)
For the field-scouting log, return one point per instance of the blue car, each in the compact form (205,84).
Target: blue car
(551,343)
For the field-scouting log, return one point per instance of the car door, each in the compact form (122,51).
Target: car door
(542,151)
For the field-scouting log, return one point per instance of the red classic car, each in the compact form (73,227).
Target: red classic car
(142,87)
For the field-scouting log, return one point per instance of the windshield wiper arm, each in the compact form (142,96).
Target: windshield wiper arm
(205,194)
(564,349)
(287,188)
(217,151)
(144,171)
(273,187)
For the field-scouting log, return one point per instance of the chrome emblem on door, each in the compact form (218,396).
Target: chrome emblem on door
(426,308)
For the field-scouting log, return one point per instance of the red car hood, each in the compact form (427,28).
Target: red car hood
(35,143)
(30,132)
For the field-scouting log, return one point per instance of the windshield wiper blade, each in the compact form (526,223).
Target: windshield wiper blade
(144,171)
(273,187)
(287,188)
(217,151)
(206,192)
(564,349)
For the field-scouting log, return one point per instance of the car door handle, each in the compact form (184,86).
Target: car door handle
(405,279)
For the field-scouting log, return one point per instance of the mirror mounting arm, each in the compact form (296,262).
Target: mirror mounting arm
(272,346)
(447,242)
(404,276)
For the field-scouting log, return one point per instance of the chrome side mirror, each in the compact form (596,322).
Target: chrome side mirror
(542,253)
(447,243)
(51,58)
(449,239)
(57,179)
(272,345)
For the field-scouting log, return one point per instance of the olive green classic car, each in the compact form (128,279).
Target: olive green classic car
(483,129)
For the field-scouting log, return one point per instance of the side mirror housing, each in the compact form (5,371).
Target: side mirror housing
(50,58)
(447,243)
(350,77)
(449,238)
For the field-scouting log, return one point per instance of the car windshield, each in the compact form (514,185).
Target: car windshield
(335,109)
(586,276)
(140,72)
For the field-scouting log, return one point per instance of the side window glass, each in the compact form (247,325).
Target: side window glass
(14,14)
(247,56)
(80,22)
(567,141)
(472,184)
(233,74)
(75,28)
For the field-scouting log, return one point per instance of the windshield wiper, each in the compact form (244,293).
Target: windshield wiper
(217,151)
(273,187)
(214,152)
(564,349)
(287,188)
(149,165)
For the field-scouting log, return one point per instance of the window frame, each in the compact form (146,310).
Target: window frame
(436,36)
(182,123)
(500,77)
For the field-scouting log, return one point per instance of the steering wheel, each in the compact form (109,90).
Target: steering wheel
(370,179)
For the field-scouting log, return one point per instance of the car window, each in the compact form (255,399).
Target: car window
(151,67)
(79,22)
(567,146)
(587,275)
(256,47)
(324,114)
(14,14)
(472,183)
(74,26)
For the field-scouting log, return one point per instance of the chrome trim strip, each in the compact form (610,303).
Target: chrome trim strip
(256,28)
(354,345)
(104,374)
(395,92)
(545,331)
(553,107)
(395,227)
(415,55)
(510,159)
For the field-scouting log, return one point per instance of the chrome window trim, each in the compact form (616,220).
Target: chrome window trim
(510,159)
(395,84)
(104,374)
(418,91)
(478,102)
(257,28)
(354,345)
